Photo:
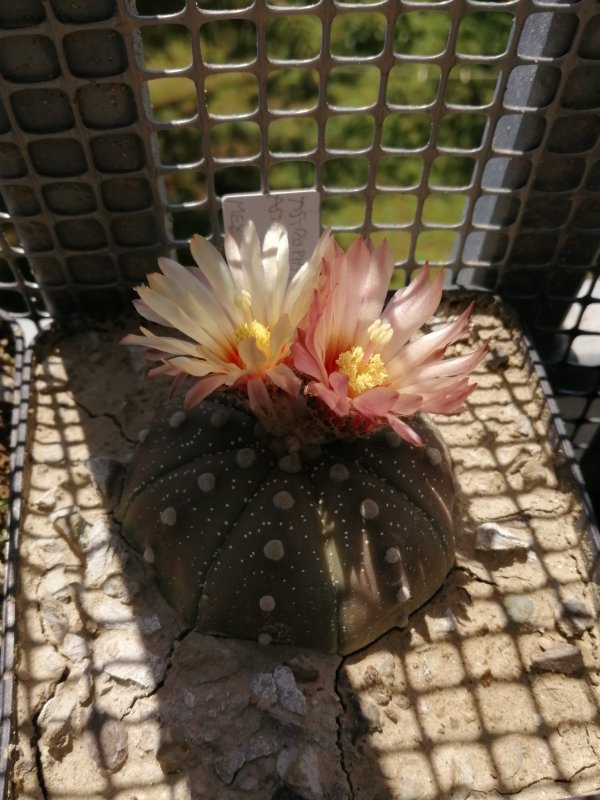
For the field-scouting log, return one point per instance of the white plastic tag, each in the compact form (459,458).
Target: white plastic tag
(298,211)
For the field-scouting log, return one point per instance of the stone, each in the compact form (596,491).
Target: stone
(519,608)
(48,500)
(565,658)
(75,648)
(229,765)
(574,617)
(491,537)
(263,691)
(299,769)
(289,696)
(54,620)
(69,523)
(58,721)
(371,715)
(121,654)
(106,740)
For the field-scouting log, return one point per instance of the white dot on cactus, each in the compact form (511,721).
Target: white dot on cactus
(245,457)
(290,463)
(219,418)
(176,419)
(266,603)
(403,594)
(339,473)
(142,435)
(168,516)
(392,555)
(274,549)
(149,555)
(265,639)
(283,501)
(206,482)
(393,439)
(369,509)
(433,455)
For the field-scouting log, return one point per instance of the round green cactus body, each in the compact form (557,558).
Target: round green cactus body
(326,546)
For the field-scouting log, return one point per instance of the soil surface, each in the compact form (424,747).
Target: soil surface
(491,691)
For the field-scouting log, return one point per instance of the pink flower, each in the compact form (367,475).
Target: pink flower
(238,317)
(364,363)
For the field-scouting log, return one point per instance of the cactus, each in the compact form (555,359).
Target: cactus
(324,546)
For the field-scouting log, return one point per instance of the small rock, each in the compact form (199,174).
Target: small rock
(304,669)
(57,721)
(47,501)
(54,620)
(491,537)
(75,648)
(106,740)
(263,691)
(289,696)
(519,608)
(228,766)
(371,715)
(299,769)
(565,658)
(69,523)
(264,743)
(574,617)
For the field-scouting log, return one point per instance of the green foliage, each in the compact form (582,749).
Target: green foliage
(352,89)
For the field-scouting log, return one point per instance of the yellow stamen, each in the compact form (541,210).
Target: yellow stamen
(380,332)
(257,331)
(243,300)
(361,376)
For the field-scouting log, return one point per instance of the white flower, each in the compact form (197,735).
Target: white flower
(239,317)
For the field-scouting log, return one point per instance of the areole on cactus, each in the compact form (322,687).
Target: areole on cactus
(309,502)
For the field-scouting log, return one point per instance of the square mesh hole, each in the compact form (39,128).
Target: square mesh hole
(292,88)
(165,47)
(296,38)
(392,208)
(349,132)
(358,34)
(172,99)
(353,86)
(231,94)
(413,85)
(408,131)
(292,135)
(230,42)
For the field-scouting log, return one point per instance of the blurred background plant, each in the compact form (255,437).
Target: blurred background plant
(353,91)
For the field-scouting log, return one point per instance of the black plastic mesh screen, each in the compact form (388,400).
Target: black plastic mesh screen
(464,132)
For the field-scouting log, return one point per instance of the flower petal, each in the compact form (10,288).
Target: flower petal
(409,308)
(258,397)
(285,378)
(404,431)
(214,268)
(206,386)
(254,359)
(338,403)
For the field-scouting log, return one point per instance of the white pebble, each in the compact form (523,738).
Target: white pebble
(176,419)
(149,555)
(274,549)
(266,603)
(142,435)
(290,463)
(339,473)
(392,555)
(168,516)
(219,418)
(206,482)
(283,501)
(245,457)
(265,639)
(369,509)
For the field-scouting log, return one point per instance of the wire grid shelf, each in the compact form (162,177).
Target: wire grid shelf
(97,179)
